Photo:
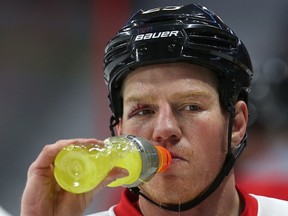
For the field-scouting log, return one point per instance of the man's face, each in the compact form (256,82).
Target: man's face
(177,106)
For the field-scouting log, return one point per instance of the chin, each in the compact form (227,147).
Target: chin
(168,189)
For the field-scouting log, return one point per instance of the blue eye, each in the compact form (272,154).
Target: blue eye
(192,107)
(144,112)
(140,112)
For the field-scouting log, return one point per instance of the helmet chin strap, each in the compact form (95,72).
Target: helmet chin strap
(230,159)
(113,122)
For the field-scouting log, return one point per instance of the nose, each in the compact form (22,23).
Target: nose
(166,129)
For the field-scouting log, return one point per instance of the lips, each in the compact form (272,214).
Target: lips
(176,156)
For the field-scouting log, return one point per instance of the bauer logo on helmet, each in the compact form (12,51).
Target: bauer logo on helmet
(154,35)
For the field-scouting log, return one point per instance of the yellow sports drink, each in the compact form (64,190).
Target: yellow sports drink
(79,168)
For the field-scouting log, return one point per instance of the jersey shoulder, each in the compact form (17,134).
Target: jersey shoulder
(271,206)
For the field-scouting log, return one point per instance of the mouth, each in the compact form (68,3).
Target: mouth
(176,157)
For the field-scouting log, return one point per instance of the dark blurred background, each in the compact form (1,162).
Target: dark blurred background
(51,83)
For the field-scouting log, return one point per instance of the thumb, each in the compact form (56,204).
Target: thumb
(114,174)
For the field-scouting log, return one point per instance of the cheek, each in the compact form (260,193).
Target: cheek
(138,128)
(209,135)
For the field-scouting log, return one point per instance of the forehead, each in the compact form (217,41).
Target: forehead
(168,73)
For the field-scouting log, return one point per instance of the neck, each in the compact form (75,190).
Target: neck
(224,201)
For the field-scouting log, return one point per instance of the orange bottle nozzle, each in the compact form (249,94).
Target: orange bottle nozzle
(164,158)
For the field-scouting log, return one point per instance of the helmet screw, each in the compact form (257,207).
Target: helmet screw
(143,51)
(171,47)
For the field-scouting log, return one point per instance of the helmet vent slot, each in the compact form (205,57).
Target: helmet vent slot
(116,50)
(210,38)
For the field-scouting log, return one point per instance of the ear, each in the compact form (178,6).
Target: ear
(240,122)
(118,128)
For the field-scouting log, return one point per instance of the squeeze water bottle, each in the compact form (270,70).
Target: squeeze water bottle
(79,168)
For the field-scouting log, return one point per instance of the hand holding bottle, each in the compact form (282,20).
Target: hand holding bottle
(43,196)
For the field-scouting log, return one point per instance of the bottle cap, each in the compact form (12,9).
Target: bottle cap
(164,158)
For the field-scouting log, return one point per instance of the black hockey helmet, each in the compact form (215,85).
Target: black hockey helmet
(188,33)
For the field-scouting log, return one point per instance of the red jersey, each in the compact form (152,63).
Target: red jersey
(253,205)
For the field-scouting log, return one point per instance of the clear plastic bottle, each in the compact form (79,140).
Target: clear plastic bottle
(79,168)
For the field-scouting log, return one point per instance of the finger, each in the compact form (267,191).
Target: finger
(49,152)
(114,174)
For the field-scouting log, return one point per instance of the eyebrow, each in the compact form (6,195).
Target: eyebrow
(139,98)
(179,95)
(191,94)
